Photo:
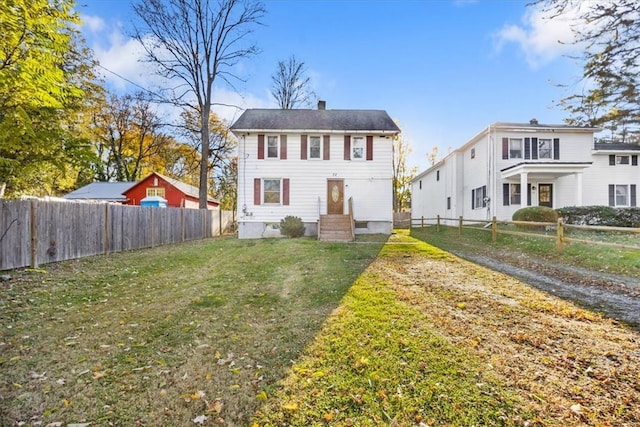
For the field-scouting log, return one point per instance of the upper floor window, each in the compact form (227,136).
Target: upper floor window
(622,160)
(515,148)
(357,148)
(437,175)
(473,153)
(155,191)
(272,147)
(315,147)
(545,149)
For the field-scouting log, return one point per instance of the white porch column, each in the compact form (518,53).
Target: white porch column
(578,176)
(523,189)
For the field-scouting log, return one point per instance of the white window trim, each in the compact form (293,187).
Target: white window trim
(277,156)
(153,192)
(511,193)
(620,162)
(353,148)
(521,148)
(550,148)
(264,189)
(627,196)
(478,193)
(309,148)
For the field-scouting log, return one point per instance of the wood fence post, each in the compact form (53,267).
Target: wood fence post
(422,221)
(438,223)
(151,228)
(34,234)
(494,229)
(460,226)
(204,223)
(182,224)
(560,242)
(106,229)
(220,220)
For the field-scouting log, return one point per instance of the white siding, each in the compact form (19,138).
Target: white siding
(367,182)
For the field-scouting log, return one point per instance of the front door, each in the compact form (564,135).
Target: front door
(545,195)
(335,196)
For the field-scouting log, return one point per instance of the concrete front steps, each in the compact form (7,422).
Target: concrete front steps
(335,228)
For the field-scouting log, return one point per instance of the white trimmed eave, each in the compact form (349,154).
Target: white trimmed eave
(548,169)
(616,152)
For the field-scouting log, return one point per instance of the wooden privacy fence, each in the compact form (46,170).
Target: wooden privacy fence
(559,236)
(34,232)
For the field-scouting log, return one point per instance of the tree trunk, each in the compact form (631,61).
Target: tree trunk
(204,160)
(3,186)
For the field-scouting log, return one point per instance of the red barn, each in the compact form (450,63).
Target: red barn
(177,193)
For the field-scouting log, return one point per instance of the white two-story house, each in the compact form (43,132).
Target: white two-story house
(508,166)
(313,164)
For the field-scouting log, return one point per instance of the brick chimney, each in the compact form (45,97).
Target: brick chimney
(322,105)
(533,122)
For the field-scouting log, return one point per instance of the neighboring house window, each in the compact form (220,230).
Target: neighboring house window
(514,194)
(478,197)
(622,195)
(473,153)
(515,148)
(545,149)
(357,148)
(315,147)
(622,160)
(272,147)
(448,203)
(437,175)
(155,191)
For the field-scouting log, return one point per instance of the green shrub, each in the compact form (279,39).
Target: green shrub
(601,215)
(291,226)
(536,214)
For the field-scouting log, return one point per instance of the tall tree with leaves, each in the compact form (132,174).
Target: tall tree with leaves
(44,75)
(610,32)
(290,86)
(402,174)
(193,43)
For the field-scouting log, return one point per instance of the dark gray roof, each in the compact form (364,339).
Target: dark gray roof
(340,120)
(545,126)
(104,191)
(616,146)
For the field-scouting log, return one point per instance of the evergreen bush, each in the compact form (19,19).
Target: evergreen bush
(291,226)
(536,214)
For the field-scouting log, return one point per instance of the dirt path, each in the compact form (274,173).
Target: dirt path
(615,296)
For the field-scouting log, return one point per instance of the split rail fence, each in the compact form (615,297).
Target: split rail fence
(552,230)
(34,232)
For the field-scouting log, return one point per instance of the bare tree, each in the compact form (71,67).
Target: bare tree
(290,85)
(194,42)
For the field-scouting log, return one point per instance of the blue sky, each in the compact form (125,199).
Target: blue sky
(443,70)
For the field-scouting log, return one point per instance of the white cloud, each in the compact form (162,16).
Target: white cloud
(540,38)
(93,23)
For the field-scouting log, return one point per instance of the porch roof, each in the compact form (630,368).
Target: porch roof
(544,169)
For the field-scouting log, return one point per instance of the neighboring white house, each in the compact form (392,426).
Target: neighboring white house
(508,166)
(307,163)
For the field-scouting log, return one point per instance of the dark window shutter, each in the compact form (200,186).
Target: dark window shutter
(633,195)
(347,147)
(326,147)
(369,147)
(505,148)
(634,160)
(527,148)
(260,146)
(528,194)
(505,194)
(556,148)
(534,148)
(473,199)
(256,191)
(283,147)
(484,196)
(285,191)
(612,160)
(303,147)
(612,195)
